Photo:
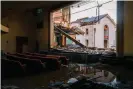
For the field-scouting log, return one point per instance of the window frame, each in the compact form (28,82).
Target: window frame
(87,31)
(86,42)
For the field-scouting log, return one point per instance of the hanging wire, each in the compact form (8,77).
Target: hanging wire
(97,12)
(85,9)
(82,3)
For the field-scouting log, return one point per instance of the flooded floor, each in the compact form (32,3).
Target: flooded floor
(97,72)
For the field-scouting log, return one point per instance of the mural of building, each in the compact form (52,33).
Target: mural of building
(100,31)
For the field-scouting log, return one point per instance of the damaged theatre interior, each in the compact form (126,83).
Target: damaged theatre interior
(67,44)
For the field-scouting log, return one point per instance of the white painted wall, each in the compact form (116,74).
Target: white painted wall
(88,36)
(112,29)
(99,35)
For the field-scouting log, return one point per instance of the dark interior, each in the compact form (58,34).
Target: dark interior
(28,61)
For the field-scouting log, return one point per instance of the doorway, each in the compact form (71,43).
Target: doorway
(21,44)
(105,43)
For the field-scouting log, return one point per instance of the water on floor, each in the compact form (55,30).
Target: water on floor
(96,72)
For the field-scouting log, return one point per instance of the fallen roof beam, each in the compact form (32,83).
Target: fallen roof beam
(67,35)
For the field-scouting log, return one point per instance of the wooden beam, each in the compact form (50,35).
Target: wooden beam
(68,36)
(4,28)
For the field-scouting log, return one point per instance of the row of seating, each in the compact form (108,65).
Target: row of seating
(63,59)
(50,63)
(21,64)
(32,65)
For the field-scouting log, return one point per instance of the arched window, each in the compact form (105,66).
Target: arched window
(106,32)
(106,36)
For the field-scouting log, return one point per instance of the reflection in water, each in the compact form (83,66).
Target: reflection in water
(64,74)
(89,71)
(103,76)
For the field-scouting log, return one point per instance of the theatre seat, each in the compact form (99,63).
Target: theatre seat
(28,53)
(51,63)
(12,68)
(63,59)
(35,54)
(32,65)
